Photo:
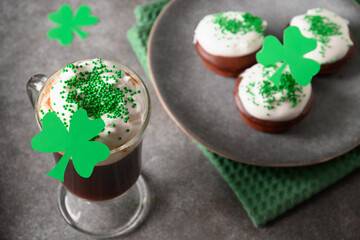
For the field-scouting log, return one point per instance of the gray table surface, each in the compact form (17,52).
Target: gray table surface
(192,201)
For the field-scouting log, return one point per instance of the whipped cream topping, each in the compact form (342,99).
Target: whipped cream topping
(275,106)
(329,29)
(230,34)
(123,118)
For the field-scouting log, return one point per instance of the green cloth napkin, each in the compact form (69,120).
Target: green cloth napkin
(264,192)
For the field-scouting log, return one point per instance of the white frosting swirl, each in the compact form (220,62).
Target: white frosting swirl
(219,42)
(338,45)
(255,103)
(115,128)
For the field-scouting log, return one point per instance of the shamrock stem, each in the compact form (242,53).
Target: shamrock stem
(81,33)
(276,77)
(59,170)
(281,69)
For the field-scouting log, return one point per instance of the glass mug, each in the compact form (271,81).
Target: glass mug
(115,198)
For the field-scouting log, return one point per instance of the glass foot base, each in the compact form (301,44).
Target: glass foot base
(106,219)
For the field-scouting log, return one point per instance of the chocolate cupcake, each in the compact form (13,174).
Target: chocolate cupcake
(266,107)
(335,43)
(227,42)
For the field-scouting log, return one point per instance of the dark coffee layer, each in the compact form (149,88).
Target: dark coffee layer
(106,182)
(226,66)
(265,125)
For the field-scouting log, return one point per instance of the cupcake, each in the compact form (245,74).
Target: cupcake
(227,42)
(266,107)
(335,43)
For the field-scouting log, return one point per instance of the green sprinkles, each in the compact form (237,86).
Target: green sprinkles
(96,96)
(250,23)
(92,91)
(323,29)
(293,91)
(288,83)
(249,91)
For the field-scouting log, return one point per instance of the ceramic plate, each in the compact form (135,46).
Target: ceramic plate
(202,104)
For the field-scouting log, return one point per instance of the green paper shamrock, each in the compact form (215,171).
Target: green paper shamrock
(295,46)
(68,23)
(85,154)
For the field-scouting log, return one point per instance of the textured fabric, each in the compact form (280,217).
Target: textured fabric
(139,35)
(264,192)
(267,192)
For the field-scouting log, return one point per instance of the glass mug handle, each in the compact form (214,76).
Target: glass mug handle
(34,86)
